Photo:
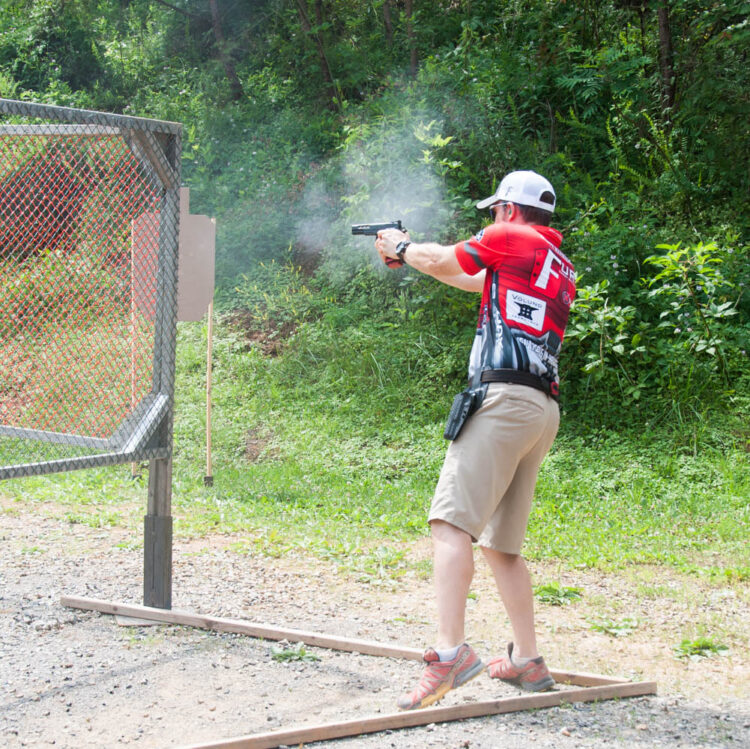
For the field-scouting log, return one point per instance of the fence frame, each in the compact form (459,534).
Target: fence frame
(146,433)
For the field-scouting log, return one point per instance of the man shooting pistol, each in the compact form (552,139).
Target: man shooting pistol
(372,230)
(487,482)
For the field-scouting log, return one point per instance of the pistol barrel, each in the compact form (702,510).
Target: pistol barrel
(373,229)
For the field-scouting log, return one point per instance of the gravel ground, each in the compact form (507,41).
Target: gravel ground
(72,678)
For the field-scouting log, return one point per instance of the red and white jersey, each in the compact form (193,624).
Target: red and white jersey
(529,287)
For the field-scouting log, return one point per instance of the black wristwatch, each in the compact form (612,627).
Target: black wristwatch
(401,249)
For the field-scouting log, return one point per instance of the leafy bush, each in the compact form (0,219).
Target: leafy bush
(681,340)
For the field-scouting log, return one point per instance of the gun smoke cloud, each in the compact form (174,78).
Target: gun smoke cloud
(383,176)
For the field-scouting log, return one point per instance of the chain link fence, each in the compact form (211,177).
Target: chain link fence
(89,212)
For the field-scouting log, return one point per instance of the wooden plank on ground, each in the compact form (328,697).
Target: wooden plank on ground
(394,721)
(583,679)
(131,621)
(238,626)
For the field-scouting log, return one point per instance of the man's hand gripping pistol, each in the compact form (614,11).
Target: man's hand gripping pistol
(371,230)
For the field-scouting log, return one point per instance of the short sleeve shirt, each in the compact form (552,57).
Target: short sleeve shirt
(529,287)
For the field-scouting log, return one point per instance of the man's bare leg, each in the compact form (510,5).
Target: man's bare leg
(450,663)
(514,585)
(453,568)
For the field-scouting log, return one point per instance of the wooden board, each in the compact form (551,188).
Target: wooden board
(238,626)
(131,621)
(316,639)
(394,721)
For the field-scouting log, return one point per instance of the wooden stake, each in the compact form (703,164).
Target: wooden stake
(133,325)
(391,721)
(208,479)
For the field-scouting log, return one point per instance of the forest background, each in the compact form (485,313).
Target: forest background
(333,374)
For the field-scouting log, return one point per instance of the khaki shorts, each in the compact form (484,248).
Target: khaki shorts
(487,482)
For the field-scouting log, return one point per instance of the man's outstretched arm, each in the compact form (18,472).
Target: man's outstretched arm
(438,261)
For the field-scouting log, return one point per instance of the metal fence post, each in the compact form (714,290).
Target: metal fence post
(157,528)
(157,536)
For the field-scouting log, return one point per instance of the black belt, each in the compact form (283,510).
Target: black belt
(516,377)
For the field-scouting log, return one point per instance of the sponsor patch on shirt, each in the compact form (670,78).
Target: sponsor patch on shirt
(524,309)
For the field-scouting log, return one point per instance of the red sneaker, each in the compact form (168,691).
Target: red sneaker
(533,677)
(440,677)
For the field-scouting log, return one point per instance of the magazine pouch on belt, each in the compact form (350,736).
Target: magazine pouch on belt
(464,405)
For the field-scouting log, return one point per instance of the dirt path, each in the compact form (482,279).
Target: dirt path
(77,679)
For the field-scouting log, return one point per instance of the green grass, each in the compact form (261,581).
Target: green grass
(100,519)
(623,501)
(341,472)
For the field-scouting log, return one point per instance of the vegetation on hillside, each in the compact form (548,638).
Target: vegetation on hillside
(303,117)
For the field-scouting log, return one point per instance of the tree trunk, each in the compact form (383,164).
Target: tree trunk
(409,8)
(666,59)
(642,22)
(319,12)
(234,82)
(304,18)
(388,22)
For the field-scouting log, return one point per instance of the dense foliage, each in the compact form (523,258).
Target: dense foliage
(302,117)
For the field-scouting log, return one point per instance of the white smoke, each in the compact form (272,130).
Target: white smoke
(381,176)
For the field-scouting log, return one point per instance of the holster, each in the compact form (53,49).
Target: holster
(464,405)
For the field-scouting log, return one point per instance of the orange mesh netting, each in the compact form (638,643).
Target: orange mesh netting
(79,239)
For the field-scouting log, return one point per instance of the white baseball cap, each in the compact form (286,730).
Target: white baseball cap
(525,188)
